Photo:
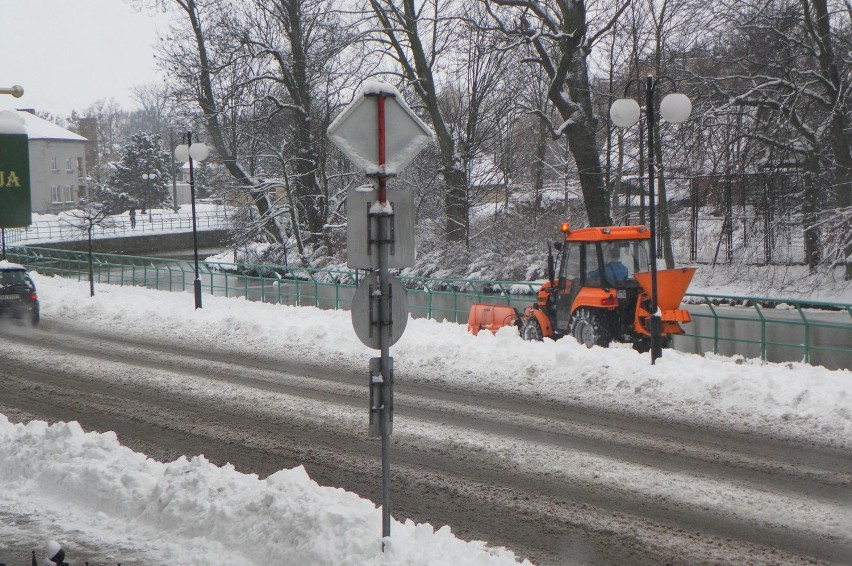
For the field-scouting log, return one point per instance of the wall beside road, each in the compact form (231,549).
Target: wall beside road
(149,245)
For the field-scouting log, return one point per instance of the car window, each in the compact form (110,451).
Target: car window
(12,277)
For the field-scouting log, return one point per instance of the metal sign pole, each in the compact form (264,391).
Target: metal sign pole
(380,240)
(384,217)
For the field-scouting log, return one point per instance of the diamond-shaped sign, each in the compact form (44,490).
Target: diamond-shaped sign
(355,131)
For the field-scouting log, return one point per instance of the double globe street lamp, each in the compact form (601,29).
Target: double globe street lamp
(624,112)
(193,152)
(148,177)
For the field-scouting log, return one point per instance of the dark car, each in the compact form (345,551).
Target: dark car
(18,297)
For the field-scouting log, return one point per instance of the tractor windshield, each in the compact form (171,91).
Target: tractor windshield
(624,258)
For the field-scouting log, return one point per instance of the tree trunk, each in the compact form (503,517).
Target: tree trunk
(455,206)
(662,199)
(307,186)
(582,140)
(538,170)
(840,125)
(810,207)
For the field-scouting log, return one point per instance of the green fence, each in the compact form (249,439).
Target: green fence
(755,327)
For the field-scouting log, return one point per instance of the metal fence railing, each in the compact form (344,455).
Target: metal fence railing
(42,232)
(755,327)
(772,329)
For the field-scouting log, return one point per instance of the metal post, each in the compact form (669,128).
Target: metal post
(174,177)
(655,322)
(3,238)
(197,283)
(385,319)
(148,197)
(693,224)
(387,376)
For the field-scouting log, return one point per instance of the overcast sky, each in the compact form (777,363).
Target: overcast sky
(67,54)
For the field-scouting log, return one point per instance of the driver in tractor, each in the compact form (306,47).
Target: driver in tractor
(615,271)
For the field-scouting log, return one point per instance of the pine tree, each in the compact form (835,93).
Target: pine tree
(144,155)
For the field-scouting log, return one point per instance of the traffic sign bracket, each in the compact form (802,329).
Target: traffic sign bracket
(363,238)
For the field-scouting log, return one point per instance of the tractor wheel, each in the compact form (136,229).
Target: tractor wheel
(590,328)
(531,330)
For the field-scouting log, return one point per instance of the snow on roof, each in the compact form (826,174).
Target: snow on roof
(41,129)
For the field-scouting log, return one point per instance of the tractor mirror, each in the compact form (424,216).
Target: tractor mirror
(551,268)
(557,246)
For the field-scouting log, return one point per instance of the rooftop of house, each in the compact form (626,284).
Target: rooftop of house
(41,129)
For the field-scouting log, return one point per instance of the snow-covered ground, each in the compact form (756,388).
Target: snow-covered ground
(64,480)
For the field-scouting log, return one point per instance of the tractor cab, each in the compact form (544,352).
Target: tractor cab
(595,269)
(603,264)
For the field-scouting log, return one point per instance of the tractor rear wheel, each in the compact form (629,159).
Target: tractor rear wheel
(531,330)
(590,328)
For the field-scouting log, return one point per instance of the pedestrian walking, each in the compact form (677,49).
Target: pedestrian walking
(133,218)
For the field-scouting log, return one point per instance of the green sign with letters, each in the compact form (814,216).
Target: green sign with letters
(15,204)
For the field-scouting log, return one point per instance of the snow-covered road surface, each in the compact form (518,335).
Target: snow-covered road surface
(556,482)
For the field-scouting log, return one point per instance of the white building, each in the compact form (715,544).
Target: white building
(57,165)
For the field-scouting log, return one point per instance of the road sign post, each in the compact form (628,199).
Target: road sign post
(381,134)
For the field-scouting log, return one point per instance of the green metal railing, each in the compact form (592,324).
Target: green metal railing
(819,331)
(771,315)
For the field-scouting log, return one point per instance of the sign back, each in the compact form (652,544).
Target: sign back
(15,200)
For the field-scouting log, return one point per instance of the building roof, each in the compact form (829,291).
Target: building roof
(41,129)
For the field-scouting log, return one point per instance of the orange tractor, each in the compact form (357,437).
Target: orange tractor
(600,293)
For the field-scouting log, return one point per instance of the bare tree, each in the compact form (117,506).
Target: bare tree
(559,39)
(415,34)
(85,219)
(199,56)
(781,62)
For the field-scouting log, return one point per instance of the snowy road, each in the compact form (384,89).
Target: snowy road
(554,483)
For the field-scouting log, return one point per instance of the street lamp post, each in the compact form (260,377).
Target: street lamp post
(624,112)
(148,178)
(183,153)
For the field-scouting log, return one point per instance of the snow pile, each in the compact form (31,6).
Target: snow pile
(193,512)
(792,399)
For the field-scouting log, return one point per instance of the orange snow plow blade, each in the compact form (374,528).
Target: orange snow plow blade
(671,286)
(490,317)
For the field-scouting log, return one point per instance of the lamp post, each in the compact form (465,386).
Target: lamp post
(183,153)
(148,178)
(624,112)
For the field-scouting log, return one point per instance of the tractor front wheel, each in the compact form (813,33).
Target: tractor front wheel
(531,330)
(590,328)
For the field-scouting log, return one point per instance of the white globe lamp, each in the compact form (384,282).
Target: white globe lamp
(624,112)
(676,107)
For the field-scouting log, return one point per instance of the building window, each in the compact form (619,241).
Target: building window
(69,193)
(68,167)
(55,196)
(53,164)
(79,166)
